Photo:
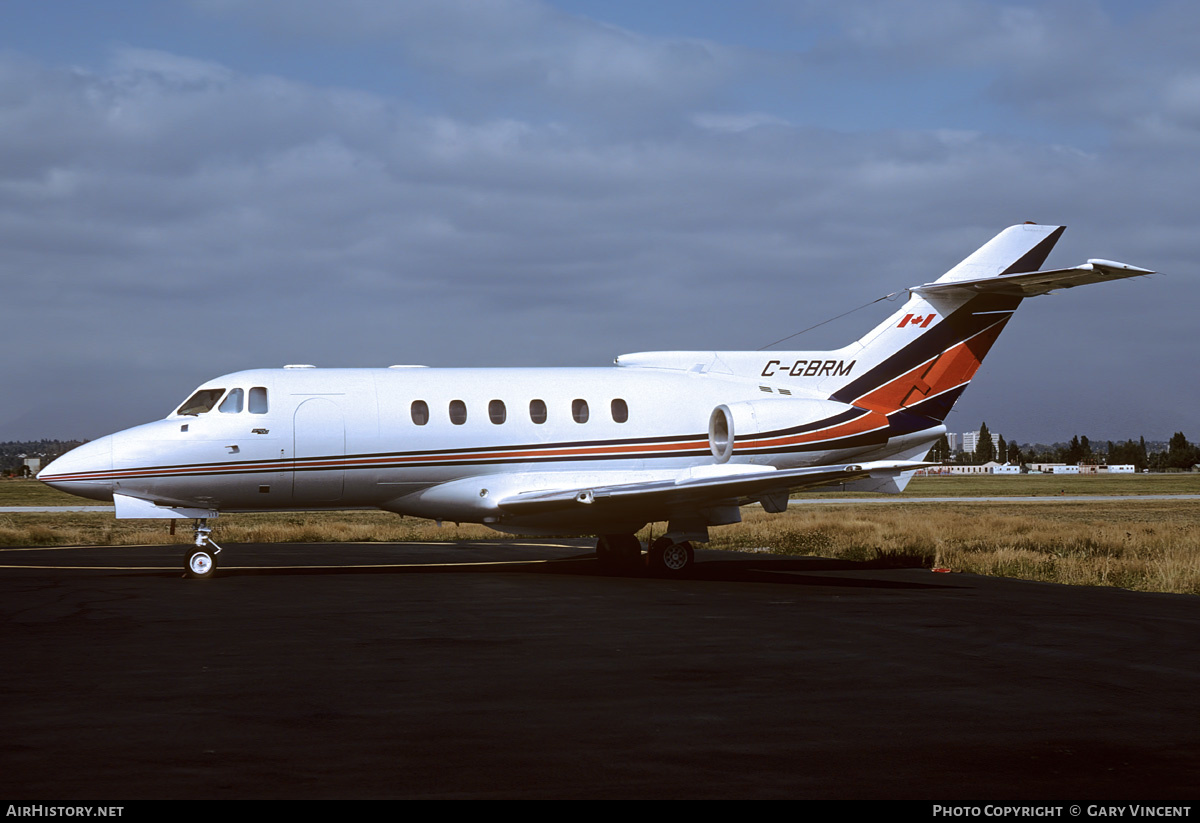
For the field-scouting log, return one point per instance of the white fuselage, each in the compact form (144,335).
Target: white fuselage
(350,438)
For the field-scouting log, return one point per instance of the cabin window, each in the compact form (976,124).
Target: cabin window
(232,404)
(496,412)
(420,412)
(579,411)
(620,411)
(201,402)
(537,411)
(458,412)
(258,400)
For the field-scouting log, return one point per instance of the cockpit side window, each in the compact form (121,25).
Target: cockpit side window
(201,402)
(232,404)
(258,400)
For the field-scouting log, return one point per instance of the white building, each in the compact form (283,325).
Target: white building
(970,441)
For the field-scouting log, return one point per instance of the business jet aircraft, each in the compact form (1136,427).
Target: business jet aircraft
(682,437)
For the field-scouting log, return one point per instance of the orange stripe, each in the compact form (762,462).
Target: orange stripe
(953,367)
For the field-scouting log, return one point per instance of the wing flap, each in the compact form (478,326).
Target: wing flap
(1030,284)
(703,490)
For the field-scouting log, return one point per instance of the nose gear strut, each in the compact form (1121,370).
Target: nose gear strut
(201,561)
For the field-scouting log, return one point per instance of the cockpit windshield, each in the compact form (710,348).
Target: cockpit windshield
(201,401)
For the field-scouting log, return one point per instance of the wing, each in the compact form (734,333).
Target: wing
(703,487)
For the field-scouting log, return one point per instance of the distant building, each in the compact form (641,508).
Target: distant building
(987,468)
(970,441)
(1087,468)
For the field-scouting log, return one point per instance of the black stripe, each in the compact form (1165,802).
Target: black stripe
(961,325)
(1033,259)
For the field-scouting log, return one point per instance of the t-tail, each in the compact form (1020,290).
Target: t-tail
(922,358)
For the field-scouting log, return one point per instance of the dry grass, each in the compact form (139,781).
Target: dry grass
(102,529)
(1147,545)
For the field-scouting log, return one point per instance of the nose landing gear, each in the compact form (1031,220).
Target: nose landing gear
(201,561)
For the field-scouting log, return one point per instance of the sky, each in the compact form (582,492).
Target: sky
(193,187)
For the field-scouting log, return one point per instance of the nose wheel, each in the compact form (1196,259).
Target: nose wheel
(201,561)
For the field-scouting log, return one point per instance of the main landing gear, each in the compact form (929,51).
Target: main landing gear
(619,552)
(201,561)
(666,558)
(670,558)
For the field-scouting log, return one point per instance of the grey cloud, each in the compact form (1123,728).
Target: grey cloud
(539,57)
(166,219)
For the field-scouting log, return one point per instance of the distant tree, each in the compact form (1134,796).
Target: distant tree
(1128,453)
(1180,453)
(1073,453)
(1002,451)
(985,449)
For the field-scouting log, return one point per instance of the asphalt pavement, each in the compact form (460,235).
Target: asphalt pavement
(520,669)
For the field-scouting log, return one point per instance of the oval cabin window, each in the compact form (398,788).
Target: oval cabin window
(420,412)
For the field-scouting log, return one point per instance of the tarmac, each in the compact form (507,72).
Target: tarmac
(519,669)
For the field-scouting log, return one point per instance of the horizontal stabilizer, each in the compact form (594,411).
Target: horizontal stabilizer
(1030,284)
(704,490)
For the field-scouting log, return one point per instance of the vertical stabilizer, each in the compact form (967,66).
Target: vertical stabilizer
(922,357)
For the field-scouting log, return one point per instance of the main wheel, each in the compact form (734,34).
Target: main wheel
(201,563)
(619,551)
(670,558)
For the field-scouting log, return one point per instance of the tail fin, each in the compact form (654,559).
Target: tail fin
(922,357)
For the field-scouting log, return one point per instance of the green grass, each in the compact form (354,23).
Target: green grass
(35,493)
(1038,485)
(1044,484)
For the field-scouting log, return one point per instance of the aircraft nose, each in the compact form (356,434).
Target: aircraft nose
(85,470)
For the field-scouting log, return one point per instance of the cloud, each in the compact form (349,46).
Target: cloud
(536,55)
(168,217)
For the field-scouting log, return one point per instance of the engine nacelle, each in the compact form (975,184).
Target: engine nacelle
(739,420)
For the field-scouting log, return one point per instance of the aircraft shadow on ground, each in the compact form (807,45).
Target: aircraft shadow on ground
(737,568)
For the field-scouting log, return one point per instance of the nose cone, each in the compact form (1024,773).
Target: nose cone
(85,470)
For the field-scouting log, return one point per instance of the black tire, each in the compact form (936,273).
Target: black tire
(200,564)
(671,559)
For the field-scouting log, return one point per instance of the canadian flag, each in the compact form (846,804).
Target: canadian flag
(916,320)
